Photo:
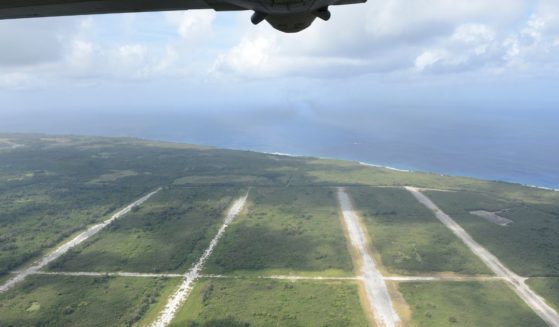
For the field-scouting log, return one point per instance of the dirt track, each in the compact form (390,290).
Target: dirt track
(517,283)
(109,274)
(44,261)
(441,278)
(375,287)
(277,277)
(180,295)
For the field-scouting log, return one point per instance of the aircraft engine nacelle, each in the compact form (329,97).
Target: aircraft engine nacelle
(288,23)
(288,16)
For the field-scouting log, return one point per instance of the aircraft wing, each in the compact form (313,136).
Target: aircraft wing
(289,16)
(46,8)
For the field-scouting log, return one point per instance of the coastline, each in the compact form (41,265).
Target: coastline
(542,187)
(386,167)
(367,164)
(416,171)
(363,163)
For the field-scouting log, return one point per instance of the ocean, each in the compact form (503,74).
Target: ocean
(519,146)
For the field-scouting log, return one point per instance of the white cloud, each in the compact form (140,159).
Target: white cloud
(167,60)
(470,47)
(16,81)
(253,55)
(80,53)
(34,41)
(382,37)
(474,34)
(131,53)
(426,59)
(94,49)
(399,36)
(193,23)
(420,19)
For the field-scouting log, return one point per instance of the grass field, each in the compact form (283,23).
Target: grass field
(285,230)
(529,246)
(82,301)
(221,180)
(112,176)
(471,304)
(409,239)
(548,288)
(34,218)
(263,303)
(167,234)
(352,173)
(44,195)
(51,187)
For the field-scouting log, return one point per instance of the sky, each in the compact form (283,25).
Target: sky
(429,70)
(385,51)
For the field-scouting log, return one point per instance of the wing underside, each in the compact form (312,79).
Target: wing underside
(46,8)
(289,16)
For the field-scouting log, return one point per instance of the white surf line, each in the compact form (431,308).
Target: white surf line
(385,167)
(178,298)
(517,283)
(65,247)
(109,274)
(375,287)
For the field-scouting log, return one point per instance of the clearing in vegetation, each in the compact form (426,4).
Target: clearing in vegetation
(377,297)
(529,246)
(112,176)
(470,304)
(515,282)
(68,245)
(407,236)
(181,294)
(548,288)
(291,228)
(167,234)
(282,231)
(263,303)
(44,300)
(221,180)
(54,201)
(492,217)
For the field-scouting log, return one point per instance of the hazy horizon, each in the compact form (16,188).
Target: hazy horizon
(495,145)
(466,89)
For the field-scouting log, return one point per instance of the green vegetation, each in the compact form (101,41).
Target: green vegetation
(45,198)
(529,246)
(81,301)
(220,180)
(112,176)
(284,229)
(408,237)
(39,212)
(47,193)
(548,288)
(240,302)
(466,304)
(51,187)
(351,173)
(167,234)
